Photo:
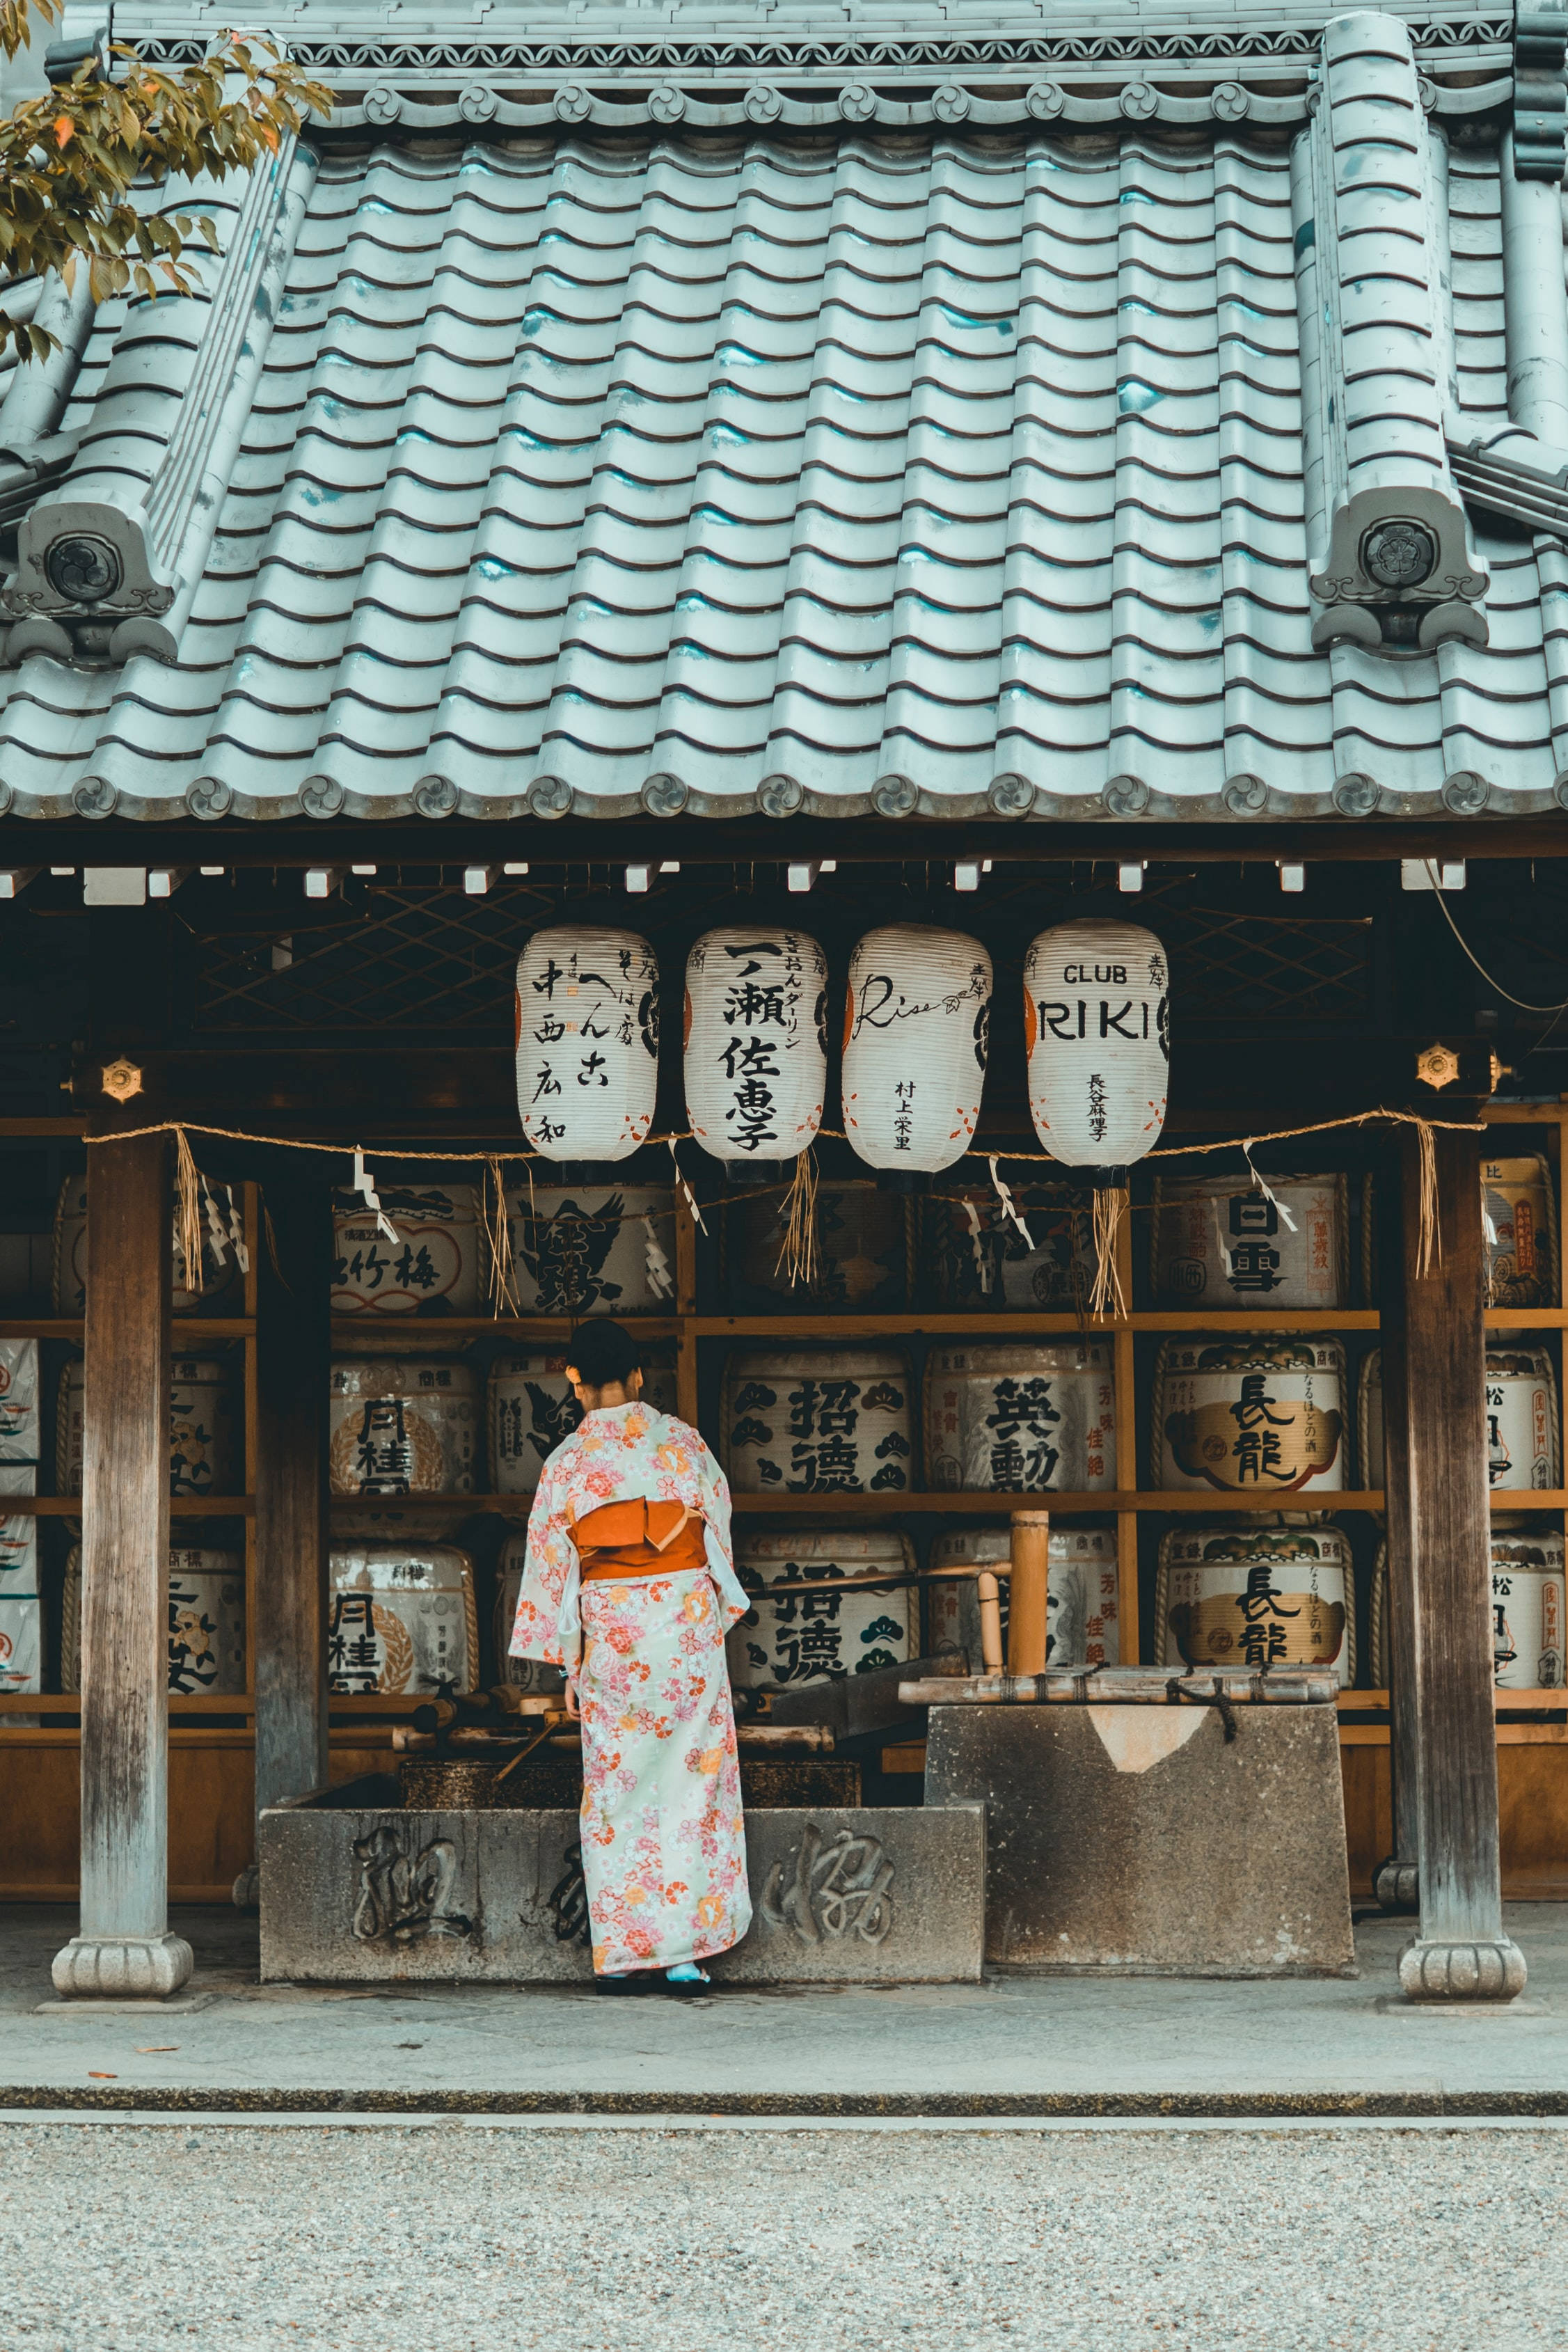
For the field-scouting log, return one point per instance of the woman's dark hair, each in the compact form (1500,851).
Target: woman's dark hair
(603,1353)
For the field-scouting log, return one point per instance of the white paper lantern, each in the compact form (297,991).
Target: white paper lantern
(756,1042)
(588,1042)
(1096,1023)
(916,1022)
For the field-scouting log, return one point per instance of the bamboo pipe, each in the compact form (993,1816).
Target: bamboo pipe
(1031,1578)
(989,1592)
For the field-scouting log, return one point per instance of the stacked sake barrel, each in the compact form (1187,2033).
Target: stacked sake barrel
(21,1604)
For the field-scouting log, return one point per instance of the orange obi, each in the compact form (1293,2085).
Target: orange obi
(639,1538)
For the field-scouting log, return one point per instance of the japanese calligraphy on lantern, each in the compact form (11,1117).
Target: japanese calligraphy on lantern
(1250,1415)
(400,1619)
(592,1249)
(1096,999)
(917,1017)
(588,1042)
(816,1421)
(533,1406)
(1016,1418)
(1521,1430)
(1218,1242)
(799,1637)
(1082,1608)
(1256,1596)
(403,1427)
(756,1042)
(433,1268)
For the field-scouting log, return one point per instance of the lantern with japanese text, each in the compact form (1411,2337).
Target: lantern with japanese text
(756,1042)
(588,1042)
(1097,1029)
(916,1023)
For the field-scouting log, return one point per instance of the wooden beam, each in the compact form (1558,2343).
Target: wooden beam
(290,1481)
(1440,1582)
(123,1948)
(1396,1880)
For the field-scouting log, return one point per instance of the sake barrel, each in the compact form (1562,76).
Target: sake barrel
(401,1619)
(592,1249)
(21,1642)
(18,1532)
(1518,1230)
(1083,1599)
(1522,1432)
(1527,1605)
(1250,1415)
(976,1255)
(432,1268)
(822,1636)
(522,1674)
(818,1420)
(223,1273)
(532,1406)
(864,1248)
(408,1425)
(1021,1416)
(1256,1595)
(1223,1242)
(20,1424)
(206,1416)
(206,1620)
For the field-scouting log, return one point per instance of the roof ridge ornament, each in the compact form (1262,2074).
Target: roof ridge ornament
(1541,91)
(111,557)
(1390,562)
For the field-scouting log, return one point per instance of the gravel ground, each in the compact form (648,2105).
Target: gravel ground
(123,2238)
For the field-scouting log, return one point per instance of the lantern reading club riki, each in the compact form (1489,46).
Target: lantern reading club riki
(588,1042)
(756,1042)
(916,1019)
(1097,1027)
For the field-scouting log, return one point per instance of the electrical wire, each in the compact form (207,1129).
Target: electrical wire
(1497,984)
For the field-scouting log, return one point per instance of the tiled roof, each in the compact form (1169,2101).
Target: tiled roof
(909,466)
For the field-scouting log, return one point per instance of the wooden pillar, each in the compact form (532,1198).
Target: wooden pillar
(1028,1591)
(1396,1880)
(1439,1564)
(124,1949)
(288,1479)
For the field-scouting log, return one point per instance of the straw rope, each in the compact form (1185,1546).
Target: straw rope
(798,1252)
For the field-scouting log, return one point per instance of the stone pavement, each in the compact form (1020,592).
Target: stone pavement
(1011,2046)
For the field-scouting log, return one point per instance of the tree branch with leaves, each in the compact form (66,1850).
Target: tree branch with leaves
(70,159)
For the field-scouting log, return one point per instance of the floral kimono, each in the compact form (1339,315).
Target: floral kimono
(663,1843)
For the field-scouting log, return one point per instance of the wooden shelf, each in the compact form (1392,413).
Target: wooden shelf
(863,1506)
(189,1330)
(541,1329)
(69,1703)
(180,1507)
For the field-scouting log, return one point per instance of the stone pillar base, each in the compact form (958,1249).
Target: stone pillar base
(1434,1970)
(246,1892)
(1396,1885)
(122,1968)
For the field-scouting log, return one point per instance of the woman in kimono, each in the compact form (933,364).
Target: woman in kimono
(629,1584)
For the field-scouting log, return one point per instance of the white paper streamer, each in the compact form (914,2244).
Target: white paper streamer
(365,1183)
(1009,1207)
(982,1262)
(661,1281)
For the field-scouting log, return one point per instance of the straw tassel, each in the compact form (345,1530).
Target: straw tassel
(189,1184)
(1110,1206)
(1429,1240)
(797,1258)
(503,1297)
